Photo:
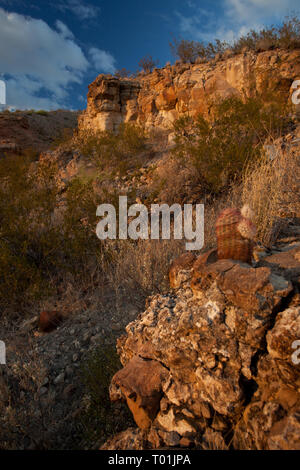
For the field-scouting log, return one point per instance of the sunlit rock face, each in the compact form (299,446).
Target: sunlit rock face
(157,99)
(211,363)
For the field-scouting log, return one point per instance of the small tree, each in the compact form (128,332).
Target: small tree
(147,63)
(187,51)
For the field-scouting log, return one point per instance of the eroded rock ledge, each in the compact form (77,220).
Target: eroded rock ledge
(210,364)
(155,100)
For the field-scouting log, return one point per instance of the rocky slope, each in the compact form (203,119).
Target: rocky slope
(157,99)
(211,363)
(36,130)
(208,364)
(42,393)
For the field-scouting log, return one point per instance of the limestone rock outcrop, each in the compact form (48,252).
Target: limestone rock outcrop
(221,348)
(157,99)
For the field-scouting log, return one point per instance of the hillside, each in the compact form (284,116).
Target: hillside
(205,344)
(36,130)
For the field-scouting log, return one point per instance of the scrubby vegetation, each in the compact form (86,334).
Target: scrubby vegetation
(122,73)
(285,36)
(48,235)
(48,229)
(50,256)
(147,63)
(219,149)
(113,152)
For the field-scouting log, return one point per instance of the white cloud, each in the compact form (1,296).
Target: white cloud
(35,57)
(64,30)
(39,63)
(24,93)
(79,8)
(256,11)
(235,18)
(103,61)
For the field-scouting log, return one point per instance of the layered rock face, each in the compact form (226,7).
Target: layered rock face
(157,99)
(213,363)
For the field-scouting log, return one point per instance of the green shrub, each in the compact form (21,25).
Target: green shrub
(25,209)
(219,150)
(113,152)
(36,250)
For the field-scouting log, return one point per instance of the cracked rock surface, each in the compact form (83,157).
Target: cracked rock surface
(223,338)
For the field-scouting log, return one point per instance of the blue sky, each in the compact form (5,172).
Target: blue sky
(51,51)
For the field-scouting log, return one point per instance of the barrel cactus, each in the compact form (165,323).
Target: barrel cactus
(235,233)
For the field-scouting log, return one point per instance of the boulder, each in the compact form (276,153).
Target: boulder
(252,289)
(140,384)
(286,262)
(50,320)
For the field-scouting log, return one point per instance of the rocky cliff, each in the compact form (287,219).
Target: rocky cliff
(213,363)
(157,99)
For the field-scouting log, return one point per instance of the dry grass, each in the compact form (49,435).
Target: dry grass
(271,188)
(140,268)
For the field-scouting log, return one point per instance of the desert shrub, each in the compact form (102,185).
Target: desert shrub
(113,151)
(285,36)
(142,266)
(122,73)
(187,51)
(23,207)
(173,182)
(102,419)
(34,249)
(147,63)
(219,150)
(49,252)
(289,33)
